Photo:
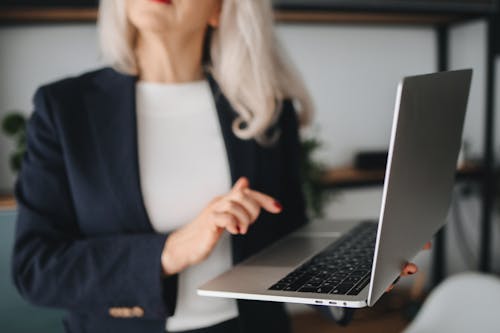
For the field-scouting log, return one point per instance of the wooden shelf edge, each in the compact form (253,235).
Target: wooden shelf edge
(293,16)
(7,202)
(337,177)
(59,15)
(351,177)
(45,15)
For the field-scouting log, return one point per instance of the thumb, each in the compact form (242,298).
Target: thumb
(241,184)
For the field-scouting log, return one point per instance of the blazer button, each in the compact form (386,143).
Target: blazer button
(137,311)
(123,312)
(118,312)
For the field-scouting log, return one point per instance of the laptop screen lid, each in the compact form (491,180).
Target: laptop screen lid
(428,123)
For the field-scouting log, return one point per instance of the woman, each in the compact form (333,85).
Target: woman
(121,160)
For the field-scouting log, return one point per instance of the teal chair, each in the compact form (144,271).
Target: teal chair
(16,315)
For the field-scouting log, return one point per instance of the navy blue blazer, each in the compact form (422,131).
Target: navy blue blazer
(84,242)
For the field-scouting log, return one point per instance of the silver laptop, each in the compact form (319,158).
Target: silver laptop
(349,263)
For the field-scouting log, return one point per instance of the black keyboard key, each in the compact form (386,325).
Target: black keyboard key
(360,286)
(323,290)
(308,289)
(288,280)
(299,283)
(360,272)
(338,277)
(353,279)
(315,283)
(342,289)
(333,282)
(278,286)
(324,274)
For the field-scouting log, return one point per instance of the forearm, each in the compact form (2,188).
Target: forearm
(91,275)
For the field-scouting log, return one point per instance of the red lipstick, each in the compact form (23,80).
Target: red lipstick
(166,2)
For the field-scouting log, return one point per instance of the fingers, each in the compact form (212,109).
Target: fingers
(241,207)
(393,284)
(248,203)
(243,217)
(409,269)
(265,201)
(226,221)
(240,184)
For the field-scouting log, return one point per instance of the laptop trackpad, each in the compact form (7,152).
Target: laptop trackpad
(290,251)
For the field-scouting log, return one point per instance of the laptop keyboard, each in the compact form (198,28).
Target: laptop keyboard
(343,268)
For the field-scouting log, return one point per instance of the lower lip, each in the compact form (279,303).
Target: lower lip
(165,2)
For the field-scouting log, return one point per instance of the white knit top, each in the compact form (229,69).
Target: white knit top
(183,165)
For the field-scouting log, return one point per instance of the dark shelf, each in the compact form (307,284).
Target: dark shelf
(16,15)
(350,177)
(60,15)
(363,17)
(7,202)
(447,7)
(331,11)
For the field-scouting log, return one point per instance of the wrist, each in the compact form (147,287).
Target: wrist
(169,262)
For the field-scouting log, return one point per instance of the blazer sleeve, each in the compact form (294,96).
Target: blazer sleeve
(54,264)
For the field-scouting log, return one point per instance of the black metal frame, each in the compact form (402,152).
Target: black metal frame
(390,6)
(439,268)
(489,152)
(488,179)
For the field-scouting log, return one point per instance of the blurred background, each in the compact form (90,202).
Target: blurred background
(352,55)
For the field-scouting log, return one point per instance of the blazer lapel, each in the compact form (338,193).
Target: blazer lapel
(240,153)
(111,105)
(242,156)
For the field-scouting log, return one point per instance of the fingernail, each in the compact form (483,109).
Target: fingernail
(278,205)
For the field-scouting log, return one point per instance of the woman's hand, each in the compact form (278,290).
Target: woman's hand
(409,269)
(235,212)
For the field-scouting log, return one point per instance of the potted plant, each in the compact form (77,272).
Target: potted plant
(316,194)
(14,126)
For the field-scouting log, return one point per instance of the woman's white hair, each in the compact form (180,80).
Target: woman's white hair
(246,60)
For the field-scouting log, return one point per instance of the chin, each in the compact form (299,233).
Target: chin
(151,15)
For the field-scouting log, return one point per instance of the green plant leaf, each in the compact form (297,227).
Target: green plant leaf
(13,123)
(21,139)
(316,195)
(16,161)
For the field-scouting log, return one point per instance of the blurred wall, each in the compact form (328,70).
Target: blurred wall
(352,72)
